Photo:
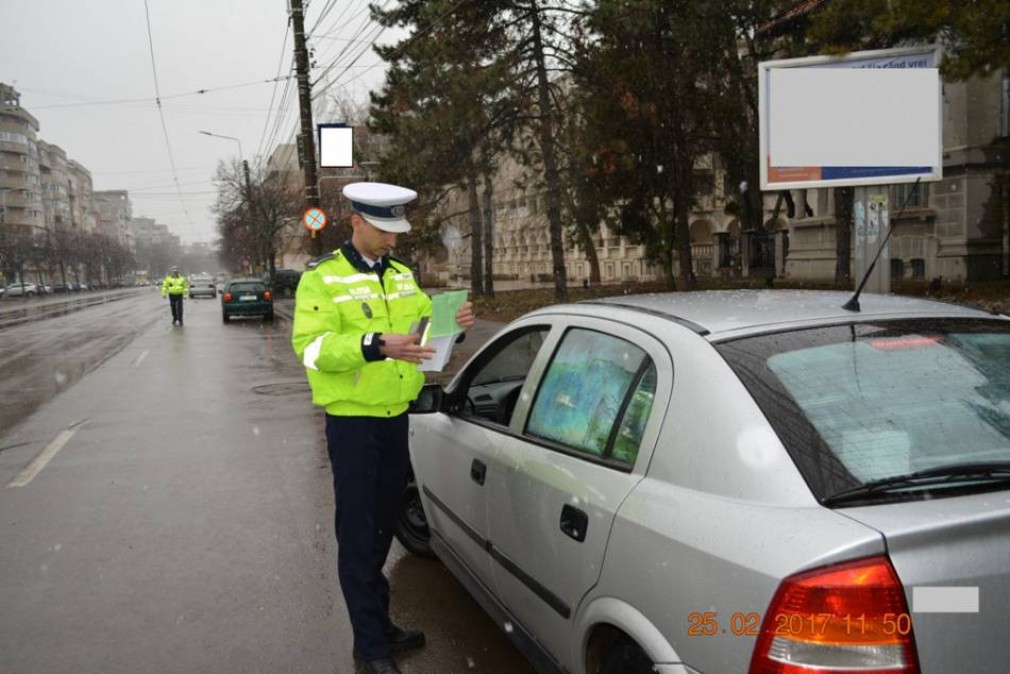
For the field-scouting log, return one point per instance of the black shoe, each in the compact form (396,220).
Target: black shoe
(401,640)
(380,666)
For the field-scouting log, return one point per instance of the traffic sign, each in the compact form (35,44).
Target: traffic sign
(314,219)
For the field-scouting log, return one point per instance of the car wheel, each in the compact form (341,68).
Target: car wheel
(225,317)
(625,657)
(411,524)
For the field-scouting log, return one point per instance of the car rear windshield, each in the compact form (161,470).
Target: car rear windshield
(249,287)
(865,403)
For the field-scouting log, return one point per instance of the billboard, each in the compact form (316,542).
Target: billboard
(336,142)
(867,118)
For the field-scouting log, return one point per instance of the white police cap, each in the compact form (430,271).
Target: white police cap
(381,204)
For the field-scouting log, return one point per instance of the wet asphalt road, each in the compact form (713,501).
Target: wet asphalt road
(166,503)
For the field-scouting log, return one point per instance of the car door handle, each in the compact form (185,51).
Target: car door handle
(477,471)
(574,523)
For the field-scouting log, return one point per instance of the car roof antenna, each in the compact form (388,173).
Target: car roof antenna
(853,303)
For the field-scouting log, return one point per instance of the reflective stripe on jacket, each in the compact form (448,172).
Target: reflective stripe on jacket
(174,285)
(336,305)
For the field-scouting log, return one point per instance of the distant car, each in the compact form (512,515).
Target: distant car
(202,286)
(247,297)
(22,290)
(730,481)
(60,288)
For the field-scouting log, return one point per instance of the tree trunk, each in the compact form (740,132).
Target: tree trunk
(843,234)
(476,238)
(550,163)
(489,217)
(591,256)
(682,240)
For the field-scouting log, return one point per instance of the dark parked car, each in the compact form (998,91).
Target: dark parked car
(285,281)
(247,297)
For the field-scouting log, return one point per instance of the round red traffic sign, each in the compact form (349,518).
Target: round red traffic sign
(314,219)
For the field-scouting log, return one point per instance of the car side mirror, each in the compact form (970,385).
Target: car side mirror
(429,400)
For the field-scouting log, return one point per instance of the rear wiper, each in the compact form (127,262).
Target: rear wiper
(941,475)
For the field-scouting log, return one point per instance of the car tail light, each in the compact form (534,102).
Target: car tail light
(839,619)
(267,295)
(227,297)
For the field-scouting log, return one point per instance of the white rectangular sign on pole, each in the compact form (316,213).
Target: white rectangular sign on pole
(864,119)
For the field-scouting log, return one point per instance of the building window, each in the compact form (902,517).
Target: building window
(917,195)
(918,268)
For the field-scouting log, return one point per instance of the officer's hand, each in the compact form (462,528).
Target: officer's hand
(464,317)
(405,347)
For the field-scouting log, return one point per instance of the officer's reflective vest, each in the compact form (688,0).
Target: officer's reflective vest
(336,306)
(174,285)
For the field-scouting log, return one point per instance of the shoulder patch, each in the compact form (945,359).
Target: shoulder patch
(315,262)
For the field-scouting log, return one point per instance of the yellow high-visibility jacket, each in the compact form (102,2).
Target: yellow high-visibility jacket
(338,310)
(174,285)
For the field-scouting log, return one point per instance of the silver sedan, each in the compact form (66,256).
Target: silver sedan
(727,482)
(202,286)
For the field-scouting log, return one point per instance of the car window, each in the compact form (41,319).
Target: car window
(597,388)
(495,384)
(251,287)
(856,404)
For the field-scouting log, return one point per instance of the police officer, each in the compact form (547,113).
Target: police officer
(356,310)
(174,287)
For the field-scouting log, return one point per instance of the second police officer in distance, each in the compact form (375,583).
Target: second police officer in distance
(354,314)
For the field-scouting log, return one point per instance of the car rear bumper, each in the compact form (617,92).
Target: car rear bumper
(247,308)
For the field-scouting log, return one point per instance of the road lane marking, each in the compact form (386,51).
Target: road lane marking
(140,358)
(29,472)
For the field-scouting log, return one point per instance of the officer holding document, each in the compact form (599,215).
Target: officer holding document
(356,330)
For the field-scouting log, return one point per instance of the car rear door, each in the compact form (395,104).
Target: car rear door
(579,442)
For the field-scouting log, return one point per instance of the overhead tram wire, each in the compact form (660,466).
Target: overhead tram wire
(376,30)
(365,47)
(127,101)
(372,41)
(161,115)
(258,157)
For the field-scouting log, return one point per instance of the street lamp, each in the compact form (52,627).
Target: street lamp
(217,135)
(245,164)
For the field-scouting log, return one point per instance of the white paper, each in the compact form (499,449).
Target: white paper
(443,351)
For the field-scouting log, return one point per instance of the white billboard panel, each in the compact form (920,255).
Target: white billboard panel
(336,142)
(868,118)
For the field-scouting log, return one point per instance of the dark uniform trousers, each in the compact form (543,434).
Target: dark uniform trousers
(176,303)
(370,459)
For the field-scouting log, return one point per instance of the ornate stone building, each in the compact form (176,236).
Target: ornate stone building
(956,228)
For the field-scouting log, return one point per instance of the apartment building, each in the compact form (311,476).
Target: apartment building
(114,212)
(20,182)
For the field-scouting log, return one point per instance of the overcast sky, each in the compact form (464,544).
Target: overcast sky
(85,71)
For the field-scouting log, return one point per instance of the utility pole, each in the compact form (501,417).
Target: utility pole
(308,154)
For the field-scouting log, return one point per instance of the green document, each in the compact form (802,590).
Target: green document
(443,313)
